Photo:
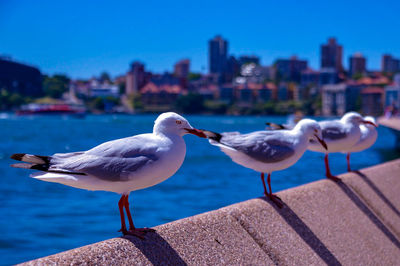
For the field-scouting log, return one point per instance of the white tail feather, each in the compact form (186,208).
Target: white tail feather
(22,165)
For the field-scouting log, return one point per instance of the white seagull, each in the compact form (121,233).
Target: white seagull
(339,135)
(369,134)
(121,165)
(268,151)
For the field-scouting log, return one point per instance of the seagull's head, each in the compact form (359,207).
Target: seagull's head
(312,130)
(370,122)
(356,119)
(172,123)
(352,118)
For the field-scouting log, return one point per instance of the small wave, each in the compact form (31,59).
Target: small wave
(4,115)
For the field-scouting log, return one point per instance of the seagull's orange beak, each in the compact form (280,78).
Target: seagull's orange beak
(196,132)
(369,122)
(322,142)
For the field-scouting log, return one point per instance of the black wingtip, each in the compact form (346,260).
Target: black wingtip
(212,135)
(275,126)
(17,156)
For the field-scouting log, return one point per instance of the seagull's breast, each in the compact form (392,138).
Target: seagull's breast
(338,137)
(170,156)
(367,139)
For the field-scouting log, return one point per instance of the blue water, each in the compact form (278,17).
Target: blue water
(39,218)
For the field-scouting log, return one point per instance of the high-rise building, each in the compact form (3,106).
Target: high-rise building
(218,54)
(331,55)
(290,69)
(232,68)
(357,64)
(182,68)
(390,64)
(135,78)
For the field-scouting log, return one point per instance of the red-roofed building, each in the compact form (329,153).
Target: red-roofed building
(160,94)
(374,81)
(372,100)
(249,93)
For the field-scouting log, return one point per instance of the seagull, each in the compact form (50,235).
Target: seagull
(268,151)
(339,135)
(369,134)
(121,165)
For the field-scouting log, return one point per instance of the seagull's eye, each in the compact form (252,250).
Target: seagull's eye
(178,122)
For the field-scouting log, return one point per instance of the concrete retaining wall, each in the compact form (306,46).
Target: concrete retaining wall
(356,222)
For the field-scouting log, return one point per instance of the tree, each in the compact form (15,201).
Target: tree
(104,76)
(194,76)
(11,100)
(121,88)
(190,103)
(55,86)
(97,104)
(216,107)
(357,76)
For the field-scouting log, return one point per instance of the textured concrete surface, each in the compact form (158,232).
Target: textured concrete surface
(354,222)
(206,239)
(379,188)
(322,222)
(393,122)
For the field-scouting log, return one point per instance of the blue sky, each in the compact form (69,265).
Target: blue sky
(83,38)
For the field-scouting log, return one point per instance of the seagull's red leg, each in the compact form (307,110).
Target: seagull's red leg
(128,213)
(328,170)
(348,162)
(121,204)
(277,200)
(265,187)
(139,232)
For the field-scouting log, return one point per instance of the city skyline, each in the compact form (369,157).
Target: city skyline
(71,44)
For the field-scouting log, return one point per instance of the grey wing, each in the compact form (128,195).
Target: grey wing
(126,147)
(106,168)
(112,161)
(333,131)
(263,146)
(60,157)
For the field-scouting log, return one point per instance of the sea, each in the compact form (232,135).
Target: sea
(40,218)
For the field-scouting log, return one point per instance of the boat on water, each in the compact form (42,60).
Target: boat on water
(52,109)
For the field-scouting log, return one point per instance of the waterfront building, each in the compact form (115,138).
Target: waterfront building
(161,91)
(218,55)
(209,92)
(98,88)
(357,65)
(181,71)
(136,78)
(265,93)
(390,64)
(232,69)
(372,100)
(226,93)
(244,95)
(309,77)
(182,68)
(334,99)
(331,55)
(392,92)
(337,99)
(290,69)
(255,74)
(328,76)
(283,92)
